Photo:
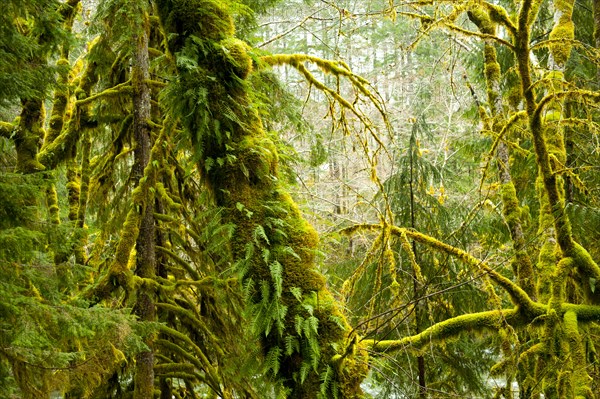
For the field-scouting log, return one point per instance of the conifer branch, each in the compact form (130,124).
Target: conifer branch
(196,322)
(518,296)
(180,261)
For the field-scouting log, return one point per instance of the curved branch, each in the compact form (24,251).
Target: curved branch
(562,95)
(499,15)
(480,35)
(490,320)
(121,88)
(518,296)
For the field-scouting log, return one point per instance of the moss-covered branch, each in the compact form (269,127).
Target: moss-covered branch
(336,68)
(194,321)
(273,245)
(185,264)
(491,320)
(212,375)
(119,273)
(6,129)
(118,90)
(52,153)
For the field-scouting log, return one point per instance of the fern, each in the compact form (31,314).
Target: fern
(272,360)
(326,379)
(277,275)
(297,293)
(291,344)
(259,233)
(304,371)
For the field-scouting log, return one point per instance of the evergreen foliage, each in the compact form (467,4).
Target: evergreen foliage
(150,246)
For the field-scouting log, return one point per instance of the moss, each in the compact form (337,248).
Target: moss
(28,136)
(511,211)
(257,157)
(444,330)
(236,56)
(499,15)
(492,67)
(52,203)
(563,32)
(60,148)
(482,20)
(170,203)
(353,371)
(273,243)
(73,190)
(205,19)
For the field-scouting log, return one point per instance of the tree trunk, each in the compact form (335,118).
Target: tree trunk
(304,334)
(145,244)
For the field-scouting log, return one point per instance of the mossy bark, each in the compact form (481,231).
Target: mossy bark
(28,136)
(272,242)
(145,243)
(561,258)
(62,147)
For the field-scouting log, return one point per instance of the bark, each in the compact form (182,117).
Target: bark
(145,244)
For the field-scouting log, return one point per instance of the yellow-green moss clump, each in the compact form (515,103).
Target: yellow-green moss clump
(236,51)
(563,32)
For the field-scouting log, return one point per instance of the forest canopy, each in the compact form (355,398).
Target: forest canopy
(299,199)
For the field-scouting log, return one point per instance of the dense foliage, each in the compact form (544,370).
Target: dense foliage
(203,198)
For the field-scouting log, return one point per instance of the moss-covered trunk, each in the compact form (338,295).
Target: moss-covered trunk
(145,244)
(304,334)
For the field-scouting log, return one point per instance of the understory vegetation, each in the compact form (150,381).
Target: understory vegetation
(299,199)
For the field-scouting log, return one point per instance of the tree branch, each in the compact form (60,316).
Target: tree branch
(452,327)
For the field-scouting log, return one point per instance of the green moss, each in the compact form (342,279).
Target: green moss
(444,330)
(205,19)
(499,15)
(52,202)
(563,33)
(236,55)
(274,246)
(353,371)
(511,211)
(482,20)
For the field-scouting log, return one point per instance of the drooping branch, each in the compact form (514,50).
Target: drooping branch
(490,320)
(522,264)
(336,68)
(119,273)
(120,89)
